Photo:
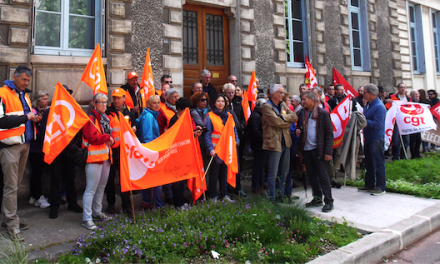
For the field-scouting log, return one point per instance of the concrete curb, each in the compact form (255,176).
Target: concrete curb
(51,252)
(372,248)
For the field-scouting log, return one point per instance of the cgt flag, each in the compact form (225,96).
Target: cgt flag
(339,79)
(169,158)
(227,151)
(197,185)
(340,117)
(245,106)
(147,79)
(413,117)
(390,120)
(435,111)
(65,119)
(94,74)
(310,77)
(252,91)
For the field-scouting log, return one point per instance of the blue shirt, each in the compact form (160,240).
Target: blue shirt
(375,113)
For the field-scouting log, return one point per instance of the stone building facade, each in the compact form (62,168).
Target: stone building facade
(383,42)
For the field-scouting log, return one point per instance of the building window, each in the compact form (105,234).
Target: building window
(436,31)
(416,37)
(360,53)
(296,32)
(66,27)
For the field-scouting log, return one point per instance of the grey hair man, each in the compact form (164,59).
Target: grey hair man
(277,119)
(17,121)
(206,82)
(232,79)
(295,100)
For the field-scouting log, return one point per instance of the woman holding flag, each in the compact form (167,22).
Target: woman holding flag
(215,122)
(98,140)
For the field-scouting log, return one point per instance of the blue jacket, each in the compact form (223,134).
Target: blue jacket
(375,113)
(148,128)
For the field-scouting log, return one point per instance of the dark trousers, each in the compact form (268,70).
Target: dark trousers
(260,156)
(317,171)
(397,144)
(288,189)
(37,163)
(240,152)
(415,141)
(110,190)
(218,172)
(62,167)
(178,188)
(375,164)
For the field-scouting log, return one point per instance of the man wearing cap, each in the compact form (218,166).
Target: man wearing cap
(118,105)
(136,100)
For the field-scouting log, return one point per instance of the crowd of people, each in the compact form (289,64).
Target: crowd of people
(286,134)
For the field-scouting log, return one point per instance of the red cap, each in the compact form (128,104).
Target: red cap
(132,75)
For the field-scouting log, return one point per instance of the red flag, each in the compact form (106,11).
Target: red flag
(339,79)
(252,91)
(310,77)
(65,119)
(340,117)
(197,185)
(160,161)
(147,78)
(246,108)
(94,74)
(435,110)
(227,151)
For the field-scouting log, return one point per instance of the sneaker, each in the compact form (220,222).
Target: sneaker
(228,199)
(214,200)
(23,226)
(241,194)
(327,208)
(294,197)
(42,203)
(16,234)
(378,191)
(336,184)
(90,225)
(32,200)
(314,203)
(102,217)
(75,208)
(365,189)
(147,206)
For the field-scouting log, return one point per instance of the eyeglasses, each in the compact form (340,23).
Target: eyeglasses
(204,100)
(430,94)
(169,82)
(279,92)
(230,92)
(103,103)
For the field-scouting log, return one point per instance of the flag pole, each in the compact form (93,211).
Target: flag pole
(402,144)
(204,176)
(76,90)
(132,207)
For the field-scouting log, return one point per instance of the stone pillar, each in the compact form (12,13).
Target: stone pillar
(247,44)
(401,43)
(321,48)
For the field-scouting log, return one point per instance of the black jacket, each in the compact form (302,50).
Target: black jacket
(237,108)
(255,127)
(210,90)
(324,132)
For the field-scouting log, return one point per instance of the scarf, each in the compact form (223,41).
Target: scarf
(222,114)
(105,123)
(172,107)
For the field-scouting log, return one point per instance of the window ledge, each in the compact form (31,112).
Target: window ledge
(361,73)
(296,70)
(71,60)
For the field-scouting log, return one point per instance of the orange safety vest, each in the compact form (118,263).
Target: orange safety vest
(97,153)
(13,107)
(394,98)
(140,97)
(218,126)
(115,126)
(168,114)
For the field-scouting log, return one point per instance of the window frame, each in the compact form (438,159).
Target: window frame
(364,48)
(436,36)
(289,18)
(64,49)
(417,25)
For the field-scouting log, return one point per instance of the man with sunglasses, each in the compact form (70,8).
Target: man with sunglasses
(433,97)
(232,79)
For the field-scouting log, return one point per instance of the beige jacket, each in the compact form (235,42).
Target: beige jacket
(275,127)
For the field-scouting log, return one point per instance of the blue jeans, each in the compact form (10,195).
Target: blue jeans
(375,164)
(96,177)
(396,144)
(260,156)
(157,196)
(278,169)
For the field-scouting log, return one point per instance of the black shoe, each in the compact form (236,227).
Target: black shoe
(22,226)
(111,209)
(128,212)
(336,184)
(169,201)
(53,214)
(63,200)
(327,208)
(75,208)
(378,191)
(365,189)
(314,203)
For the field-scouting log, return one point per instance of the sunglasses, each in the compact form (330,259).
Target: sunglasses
(233,80)
(168,82)
(204,100)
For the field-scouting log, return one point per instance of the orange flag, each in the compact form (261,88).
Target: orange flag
(94,74)
(197,185)
(65,119)
(252,91)
(246,108)
(147,78)
(310,78)
(169,158)
(227,151)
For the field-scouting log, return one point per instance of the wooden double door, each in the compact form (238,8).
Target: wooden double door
(205,46)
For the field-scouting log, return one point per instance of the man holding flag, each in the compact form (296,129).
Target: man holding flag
(17,131)
(134,98)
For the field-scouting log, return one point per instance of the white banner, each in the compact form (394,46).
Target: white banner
(390,119)
(413,117)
